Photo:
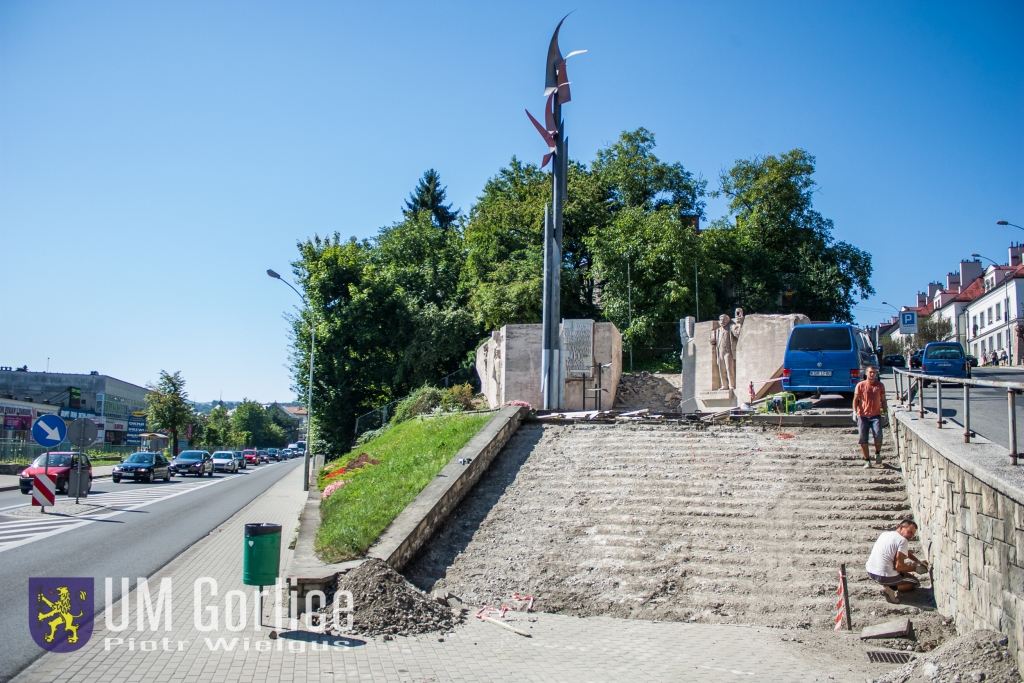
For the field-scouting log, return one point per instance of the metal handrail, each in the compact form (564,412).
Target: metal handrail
(1012,389)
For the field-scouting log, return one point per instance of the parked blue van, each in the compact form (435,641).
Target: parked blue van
(826,358)
(946,359)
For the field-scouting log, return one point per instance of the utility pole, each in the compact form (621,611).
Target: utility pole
(629,298)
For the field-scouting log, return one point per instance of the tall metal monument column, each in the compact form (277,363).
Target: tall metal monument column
(556,90)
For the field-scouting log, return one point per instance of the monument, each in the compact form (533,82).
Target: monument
(733,360)
(509,365)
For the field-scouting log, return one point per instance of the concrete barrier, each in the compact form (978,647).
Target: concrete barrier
(968,501)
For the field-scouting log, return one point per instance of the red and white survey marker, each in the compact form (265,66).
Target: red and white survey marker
(44,490)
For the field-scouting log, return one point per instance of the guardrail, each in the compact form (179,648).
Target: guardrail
(907,379)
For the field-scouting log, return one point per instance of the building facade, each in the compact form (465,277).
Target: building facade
(117,407)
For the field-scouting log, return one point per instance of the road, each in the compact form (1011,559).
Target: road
(988,406)
(162,520)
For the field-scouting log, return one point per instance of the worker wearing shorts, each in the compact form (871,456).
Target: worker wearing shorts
(868,405)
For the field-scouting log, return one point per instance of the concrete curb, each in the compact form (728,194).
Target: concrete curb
(421,518)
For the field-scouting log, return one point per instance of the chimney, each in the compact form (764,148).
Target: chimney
(922,300)
(932,288)
(1016,249)
(969,272)
(953,281)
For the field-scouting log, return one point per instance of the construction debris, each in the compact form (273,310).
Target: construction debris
(974,657)
(386,604)
(889,629)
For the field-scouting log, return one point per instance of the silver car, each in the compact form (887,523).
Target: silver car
(224,461)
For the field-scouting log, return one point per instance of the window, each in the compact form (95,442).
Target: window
(990,315)
(999,340)
(975,325)
(983,346)
(999,314)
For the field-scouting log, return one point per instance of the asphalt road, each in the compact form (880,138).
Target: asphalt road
(132,544)
(989,415)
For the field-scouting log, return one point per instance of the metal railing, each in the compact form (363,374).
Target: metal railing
(907,380)
(24,452)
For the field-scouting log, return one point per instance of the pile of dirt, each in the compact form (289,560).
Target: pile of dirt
(971,658)
(657,391)
(386,604)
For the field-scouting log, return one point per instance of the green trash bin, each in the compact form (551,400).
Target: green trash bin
(262,559)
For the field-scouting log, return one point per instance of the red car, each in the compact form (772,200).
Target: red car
(252,456)
(60,466)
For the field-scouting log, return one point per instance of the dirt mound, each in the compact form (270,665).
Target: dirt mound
(386,604)
(974,657)
(657,391)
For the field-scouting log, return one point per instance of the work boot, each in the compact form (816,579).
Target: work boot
(891,595)
(867,464)
(878,458)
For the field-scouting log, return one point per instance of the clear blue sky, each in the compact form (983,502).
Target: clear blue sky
(157,158)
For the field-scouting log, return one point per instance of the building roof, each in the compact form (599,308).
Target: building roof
(972,292)
(297,411)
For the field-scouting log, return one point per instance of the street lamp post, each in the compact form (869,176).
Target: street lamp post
(1010,224)
(309,393)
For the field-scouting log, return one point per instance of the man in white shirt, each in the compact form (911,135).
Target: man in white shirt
(891,561)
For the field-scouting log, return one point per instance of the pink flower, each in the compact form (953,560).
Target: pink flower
(521,404)
(331,488)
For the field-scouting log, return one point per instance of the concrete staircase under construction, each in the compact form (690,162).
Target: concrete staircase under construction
(718,525)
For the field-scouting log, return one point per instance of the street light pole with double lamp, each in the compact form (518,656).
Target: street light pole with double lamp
(309,393)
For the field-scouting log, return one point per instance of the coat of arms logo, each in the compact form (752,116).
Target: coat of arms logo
(60,612)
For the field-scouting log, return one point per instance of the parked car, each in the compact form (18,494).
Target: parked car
(915,360)
(826,358)
(251,456)
(240,459)
(193,462)
(973,360)
(60,465)
(142,466)
(945,358)
(894,360)
(224,461)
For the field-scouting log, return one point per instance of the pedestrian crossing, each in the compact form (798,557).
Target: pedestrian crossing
(20,530)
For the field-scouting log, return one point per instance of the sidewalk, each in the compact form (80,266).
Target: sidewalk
(562,648)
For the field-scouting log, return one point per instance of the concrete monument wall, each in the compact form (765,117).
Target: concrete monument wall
(509,367)
(758,345)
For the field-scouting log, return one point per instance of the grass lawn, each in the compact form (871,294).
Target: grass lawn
(410,454)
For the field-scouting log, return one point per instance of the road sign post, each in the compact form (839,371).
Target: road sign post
(908,322)
(49,430)
(82,433)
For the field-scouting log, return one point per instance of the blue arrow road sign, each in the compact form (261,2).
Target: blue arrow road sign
(49,430)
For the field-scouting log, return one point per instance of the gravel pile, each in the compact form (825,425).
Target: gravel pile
(386,604)
(657,391)
(971,658)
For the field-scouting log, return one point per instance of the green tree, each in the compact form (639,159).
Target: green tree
(429,196)
(250,419)
(780,255)
(932,328)
(168,406)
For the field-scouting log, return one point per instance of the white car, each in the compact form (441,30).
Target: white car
(224,461)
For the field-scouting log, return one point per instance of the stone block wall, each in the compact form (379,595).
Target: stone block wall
(970,526)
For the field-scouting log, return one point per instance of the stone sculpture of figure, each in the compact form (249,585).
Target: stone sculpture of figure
(723,341)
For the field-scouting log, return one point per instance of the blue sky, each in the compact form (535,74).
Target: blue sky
(156,158)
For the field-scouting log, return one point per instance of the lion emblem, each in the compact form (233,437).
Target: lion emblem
(63,609)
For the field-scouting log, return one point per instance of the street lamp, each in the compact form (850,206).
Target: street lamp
(309,394)
(1010,224)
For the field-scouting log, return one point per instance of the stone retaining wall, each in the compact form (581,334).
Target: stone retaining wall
(969,505)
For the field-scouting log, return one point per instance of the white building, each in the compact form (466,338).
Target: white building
(994,318)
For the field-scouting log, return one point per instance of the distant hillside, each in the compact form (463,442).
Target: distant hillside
(208,407)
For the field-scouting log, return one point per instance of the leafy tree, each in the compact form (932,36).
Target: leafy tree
(932,328)
(780,255)
(429,196)
(168,406)
(252,423)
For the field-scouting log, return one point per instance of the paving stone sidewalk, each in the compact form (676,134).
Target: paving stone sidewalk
(561,649)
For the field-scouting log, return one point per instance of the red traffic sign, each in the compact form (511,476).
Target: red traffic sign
(44,489)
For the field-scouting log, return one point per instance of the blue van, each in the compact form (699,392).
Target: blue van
(826,358)
(946,359)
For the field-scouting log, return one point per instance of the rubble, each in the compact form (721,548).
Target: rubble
(974,657)
(386,604)
(657,391)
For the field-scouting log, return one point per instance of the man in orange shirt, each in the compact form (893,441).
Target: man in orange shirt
(868,404)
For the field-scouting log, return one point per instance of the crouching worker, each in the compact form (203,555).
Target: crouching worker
(891,561)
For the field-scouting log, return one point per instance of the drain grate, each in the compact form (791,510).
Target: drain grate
(878,657)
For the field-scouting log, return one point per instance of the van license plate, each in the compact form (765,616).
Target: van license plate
(820,373)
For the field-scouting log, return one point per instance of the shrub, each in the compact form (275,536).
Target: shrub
(421,401)
(458,397)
